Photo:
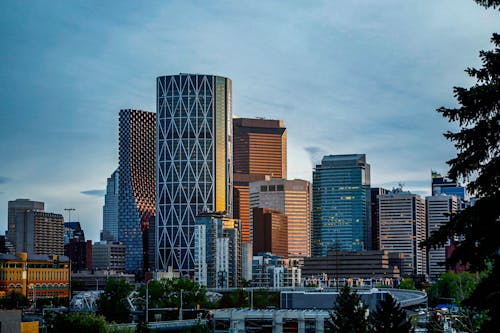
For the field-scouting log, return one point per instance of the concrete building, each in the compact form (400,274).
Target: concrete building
(293,199)
(341,204)
(109,256)
(217,251)
(137,184)
(402,228)
(96,279)
(35,276)
(259,150)
(437,207)
(16,208)
(374,206)
(270,231)
(273,271)
(354,265)
(110,209)
(194,151)
(34,231)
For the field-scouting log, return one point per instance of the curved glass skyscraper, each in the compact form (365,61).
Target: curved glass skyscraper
(193,161)
(341,204)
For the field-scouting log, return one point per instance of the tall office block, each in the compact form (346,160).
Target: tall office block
(443,185)
(437,208)
(217,251)
(293,199)
(375,192)
(402,228)
(341,204)
(137,183)
(40,233)
(19,207)
(271,231)
(259,150)
(110,209)
(194,167)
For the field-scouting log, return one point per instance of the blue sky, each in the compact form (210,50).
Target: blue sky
(345,76)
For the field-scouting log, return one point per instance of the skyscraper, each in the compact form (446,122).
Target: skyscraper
(136,195)
(442,185)
(271,231)
(402,228)
(110,209)
(194,161)
(20,207)
(437,207)
(341,204)
(293,199)
(259,150)
(375,193)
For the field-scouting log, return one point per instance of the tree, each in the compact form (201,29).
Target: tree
(113,303)
(407,283)
(478,161)
(350,314)
(389,317)
(78,322)
(454,287)
(13,300)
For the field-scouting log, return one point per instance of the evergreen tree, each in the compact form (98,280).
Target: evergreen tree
(478,161)
(350,314)
(389,317)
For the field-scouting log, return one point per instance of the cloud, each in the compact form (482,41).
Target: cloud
(4,180)
(315,154)
(94,193)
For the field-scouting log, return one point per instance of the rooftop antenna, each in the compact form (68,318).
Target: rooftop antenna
(69,210)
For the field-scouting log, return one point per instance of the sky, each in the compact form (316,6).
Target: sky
(361,76)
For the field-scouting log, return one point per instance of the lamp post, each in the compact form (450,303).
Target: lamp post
(180,307)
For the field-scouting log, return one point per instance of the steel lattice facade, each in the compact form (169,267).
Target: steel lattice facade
(194,166)
(136,195)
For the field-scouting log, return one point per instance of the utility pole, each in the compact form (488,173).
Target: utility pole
(69,210)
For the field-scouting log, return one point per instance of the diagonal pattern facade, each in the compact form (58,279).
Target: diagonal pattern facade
(194,161)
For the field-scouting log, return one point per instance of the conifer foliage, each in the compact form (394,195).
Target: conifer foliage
(389,317)
(349,313)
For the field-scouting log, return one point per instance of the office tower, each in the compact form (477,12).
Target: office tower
(80,254)
(194,167)
(110,209)
(108,256)
(19,207)
(437,208)
(137,183)
(442,185)
(40,233)
(341,204)
(259,150)
(293,199)
(375,192)
(402,228)
(217,251)
(270,231)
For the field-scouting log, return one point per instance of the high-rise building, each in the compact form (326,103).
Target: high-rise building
(271,231)
(108,256)
(375,192)
(259,150)
(443,185)
(20,207)
(217,251)
(80,254)
(402,228)
(293,199)
(137,183)
(110,209)
(73,230)
(194,167)
(437,208)
(341,204)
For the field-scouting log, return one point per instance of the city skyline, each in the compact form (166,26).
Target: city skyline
(316,64)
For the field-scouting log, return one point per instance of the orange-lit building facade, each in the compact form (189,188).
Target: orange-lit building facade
(259,150)
(36,276)
(271,232)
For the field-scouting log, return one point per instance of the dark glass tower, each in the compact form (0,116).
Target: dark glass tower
(194,167)
(136,195)
(341,204)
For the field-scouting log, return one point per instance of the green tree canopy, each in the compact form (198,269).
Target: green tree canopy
(350,314)
(78,322)
(13,300)
(166,293)
(389,317)
(112,303)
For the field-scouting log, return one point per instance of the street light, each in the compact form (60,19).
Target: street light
(147,300)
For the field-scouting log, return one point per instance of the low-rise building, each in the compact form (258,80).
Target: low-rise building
(35,276)
(273,271)
(108,256)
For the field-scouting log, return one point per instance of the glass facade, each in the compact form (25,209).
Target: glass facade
(341,203)
(193,169)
